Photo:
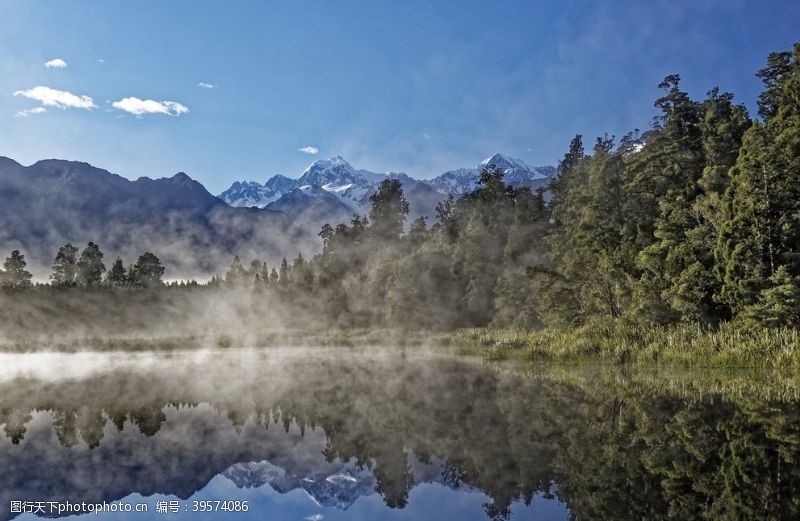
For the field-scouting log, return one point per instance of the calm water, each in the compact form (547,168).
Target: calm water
(298,434)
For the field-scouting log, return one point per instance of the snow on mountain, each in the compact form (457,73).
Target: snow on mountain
(251,193)
(456,182)
(339,489)
(353,187)
(517,173)
(334,172)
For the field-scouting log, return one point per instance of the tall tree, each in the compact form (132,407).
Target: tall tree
(147,271)
(65,266)
(117,276)
(90,266)
(236,274)
(14,274)
(389,210)
(761,232)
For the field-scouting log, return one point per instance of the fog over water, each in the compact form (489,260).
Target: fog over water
(395,433)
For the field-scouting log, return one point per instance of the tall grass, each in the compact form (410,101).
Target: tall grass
(621,343)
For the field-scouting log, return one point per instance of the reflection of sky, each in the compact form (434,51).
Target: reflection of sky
(426,501)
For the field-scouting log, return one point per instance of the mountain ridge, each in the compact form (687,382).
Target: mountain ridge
(338,176)
(194,233)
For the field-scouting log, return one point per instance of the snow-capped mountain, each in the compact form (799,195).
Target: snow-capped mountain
(251,193)
(333,174)
(353,187)
(517,173)
(339,489)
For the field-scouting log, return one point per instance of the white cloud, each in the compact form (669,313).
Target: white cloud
(308,150)
(57,98)
(56,63)
(27,112)
(100,61)
(140,107)
(315,517)
(205,85)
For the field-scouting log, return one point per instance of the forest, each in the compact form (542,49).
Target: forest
(693,221)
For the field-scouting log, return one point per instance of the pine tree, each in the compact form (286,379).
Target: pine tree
(236,274)
(14,275)
(388,212)
(117,276)
(515,296)
(65,266)
(680,264)
(561,184)
(90,266)
(778,305)
(761,231)
(147,271)
(283,279)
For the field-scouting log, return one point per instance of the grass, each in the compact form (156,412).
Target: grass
(605,343)
(619,343)
(222,340)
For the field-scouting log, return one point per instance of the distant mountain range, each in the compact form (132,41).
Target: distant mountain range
(194,233)
(353,187)
(53,202)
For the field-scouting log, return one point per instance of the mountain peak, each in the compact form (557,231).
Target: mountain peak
(503,162)
(331,172)
(336,161)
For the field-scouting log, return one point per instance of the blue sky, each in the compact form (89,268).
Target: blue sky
(410,86)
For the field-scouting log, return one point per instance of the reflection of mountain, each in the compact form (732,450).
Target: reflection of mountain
(338,489)
(339,424)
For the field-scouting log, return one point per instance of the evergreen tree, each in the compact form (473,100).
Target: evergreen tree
(14,274)
(90,266)
(665,187)
(389,210)
(515,296)
(284,274)
(117,276)
(561,184)
(778,305)
(147,271)
(418,233)
(65,266)
(236,274)
(761,231)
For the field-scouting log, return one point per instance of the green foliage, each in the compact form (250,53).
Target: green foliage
(117,276)
(389,210)
(65,266)
(778,304)
(14,276)
(147,271)
(90,266)
(762,205)
(694,221)
(620,342)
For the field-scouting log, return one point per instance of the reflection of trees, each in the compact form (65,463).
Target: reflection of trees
(15,421)
(609,451)
(660,456)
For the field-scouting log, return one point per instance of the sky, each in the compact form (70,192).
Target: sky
(244,90)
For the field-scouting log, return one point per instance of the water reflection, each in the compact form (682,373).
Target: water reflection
(345,434)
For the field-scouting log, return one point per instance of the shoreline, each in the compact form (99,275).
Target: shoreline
(605,344)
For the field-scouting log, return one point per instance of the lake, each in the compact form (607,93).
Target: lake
(345,433)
